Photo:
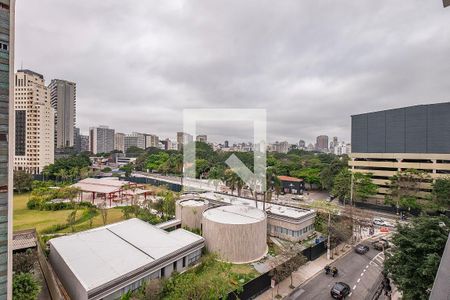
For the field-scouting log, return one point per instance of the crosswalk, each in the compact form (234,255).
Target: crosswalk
(378,260)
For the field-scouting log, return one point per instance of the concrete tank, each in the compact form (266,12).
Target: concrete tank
(237,233)
(189,211)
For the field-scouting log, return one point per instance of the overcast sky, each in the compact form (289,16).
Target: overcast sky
(311,64)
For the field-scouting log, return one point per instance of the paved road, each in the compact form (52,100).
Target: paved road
(361,272)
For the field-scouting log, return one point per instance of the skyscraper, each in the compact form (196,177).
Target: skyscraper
(63,100)
(6,143)
(322,143)
(101,139)
(35,120)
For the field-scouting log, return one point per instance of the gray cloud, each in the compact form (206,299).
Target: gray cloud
(311,64)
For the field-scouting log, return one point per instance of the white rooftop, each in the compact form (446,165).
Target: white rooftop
(234,214)
(194,202)
(103,254)
(100,185)
(275,209)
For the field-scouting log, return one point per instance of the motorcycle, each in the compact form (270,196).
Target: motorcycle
(334,272)
(327,270)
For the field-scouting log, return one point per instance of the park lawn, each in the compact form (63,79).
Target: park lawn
(24,218)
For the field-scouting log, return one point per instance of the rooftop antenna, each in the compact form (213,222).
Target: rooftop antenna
(21,64)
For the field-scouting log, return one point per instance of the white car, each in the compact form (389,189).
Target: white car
(382,222)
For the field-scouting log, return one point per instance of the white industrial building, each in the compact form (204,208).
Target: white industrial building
(106,262)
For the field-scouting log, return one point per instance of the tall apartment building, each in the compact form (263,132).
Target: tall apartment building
(280,147)
(34,121)
(63,100)
(322,143)
(151,140)
(101,139)
(388,141)
(130,141)
(81,142)
(119,142)
(84,143)
(202,138)
(140,139)
(6,144)
(182,139)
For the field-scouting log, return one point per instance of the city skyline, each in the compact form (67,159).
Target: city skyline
(188,66)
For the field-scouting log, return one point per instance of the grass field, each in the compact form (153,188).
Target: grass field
(25,218)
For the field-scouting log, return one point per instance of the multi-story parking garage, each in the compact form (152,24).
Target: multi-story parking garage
(388,141)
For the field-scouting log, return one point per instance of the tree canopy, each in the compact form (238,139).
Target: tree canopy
(416,254)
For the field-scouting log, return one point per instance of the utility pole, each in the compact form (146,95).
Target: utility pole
(329,236)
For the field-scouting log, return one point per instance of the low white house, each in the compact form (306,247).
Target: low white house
(106,262)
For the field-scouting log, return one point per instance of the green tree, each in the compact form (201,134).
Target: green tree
(415,258)
(363,187)
(128,169)
(404,188)
(134,151)
(441,191)
(329,172)
(342,183)
(25,287)
(310,175)
(22,181)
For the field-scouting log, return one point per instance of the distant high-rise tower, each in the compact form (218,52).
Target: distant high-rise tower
(6,143)
(322,143)
(35,120)
(119,142)
(63,96)
(101,139)
(202,138)
(183,138)
(301,144)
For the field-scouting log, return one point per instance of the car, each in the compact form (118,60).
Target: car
(381,245)
(382,222)
(340,290)
(378,222)
(361,249)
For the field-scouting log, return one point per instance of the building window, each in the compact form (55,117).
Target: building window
(163,272)
(184,262)
(175,265)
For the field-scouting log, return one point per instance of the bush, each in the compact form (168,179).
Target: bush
(23,262)
(25,287)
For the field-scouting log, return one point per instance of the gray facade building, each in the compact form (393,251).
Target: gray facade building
(63,100)
(6,143)
(395,140)
(101,139)
(414,129)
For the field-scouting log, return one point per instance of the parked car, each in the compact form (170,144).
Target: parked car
(340,290)
(381,244)
(382,222)
(361,249)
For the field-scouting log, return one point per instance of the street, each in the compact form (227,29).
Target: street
(361,272)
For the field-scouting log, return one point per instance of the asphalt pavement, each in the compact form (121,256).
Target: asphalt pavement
(361,272)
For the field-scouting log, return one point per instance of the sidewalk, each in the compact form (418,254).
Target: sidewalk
(303,274)
(311,268)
